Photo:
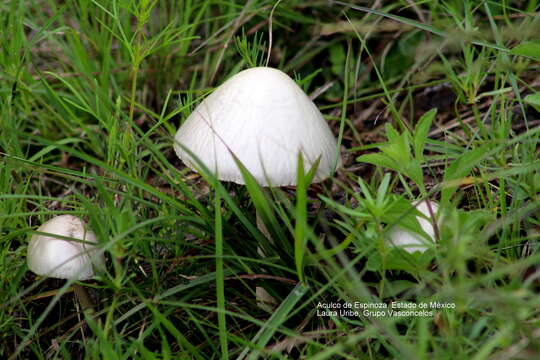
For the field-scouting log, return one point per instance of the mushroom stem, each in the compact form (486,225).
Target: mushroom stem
(265,301)
(84,299)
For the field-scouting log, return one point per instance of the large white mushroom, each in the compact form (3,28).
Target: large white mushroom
(410,241)
(53,255)
(263,118)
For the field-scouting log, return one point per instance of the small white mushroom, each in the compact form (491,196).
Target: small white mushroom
(263,118)
(410,241)
(52,256)
(61,258)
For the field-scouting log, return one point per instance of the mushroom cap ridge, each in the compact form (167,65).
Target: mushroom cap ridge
(265,120)
(59,258)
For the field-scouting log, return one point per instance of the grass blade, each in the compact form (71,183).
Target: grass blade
(220,281)
(276,320)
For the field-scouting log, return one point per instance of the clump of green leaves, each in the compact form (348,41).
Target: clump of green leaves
(252,52)
(404,153)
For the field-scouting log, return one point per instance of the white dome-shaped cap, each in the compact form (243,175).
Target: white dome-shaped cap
(59,258)
(265,120)
(410,241)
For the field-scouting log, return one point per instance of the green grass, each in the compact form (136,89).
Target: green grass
(428,99)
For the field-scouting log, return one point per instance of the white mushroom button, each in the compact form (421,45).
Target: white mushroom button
(410,241)
(61,258)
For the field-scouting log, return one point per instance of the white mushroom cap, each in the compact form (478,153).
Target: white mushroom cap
(265,120)
(60,258)
(410,241)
